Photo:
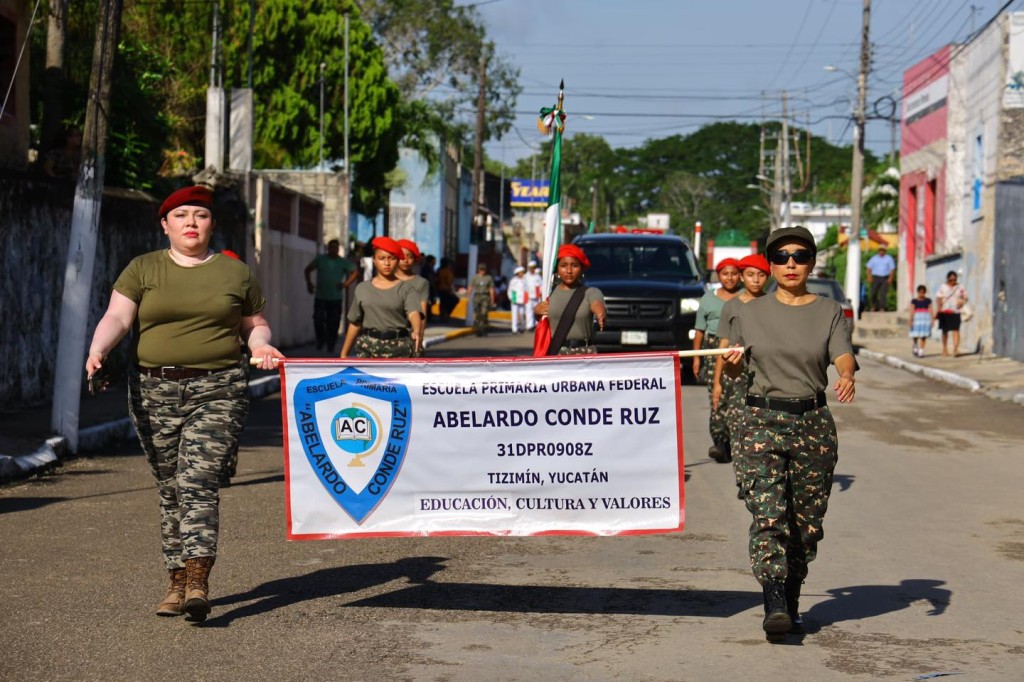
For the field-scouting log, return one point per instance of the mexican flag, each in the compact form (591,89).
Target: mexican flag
(552,122)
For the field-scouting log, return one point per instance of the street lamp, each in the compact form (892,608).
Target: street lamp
(322,67)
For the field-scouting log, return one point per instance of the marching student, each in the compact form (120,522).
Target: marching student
(789,442)
(706,336)
(518,298)
(482,294)
(728,392)
(385,313)
(419,284)
(572,261)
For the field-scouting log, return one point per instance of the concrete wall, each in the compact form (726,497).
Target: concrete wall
(985,67)
(278,257)
(422,195)
(328,188)
(1008,313)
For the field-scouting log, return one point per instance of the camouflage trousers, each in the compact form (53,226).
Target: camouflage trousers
(481,311)
(189,429)
(582,350)
(717,425)
(366,346)
(733,406)
(787,466)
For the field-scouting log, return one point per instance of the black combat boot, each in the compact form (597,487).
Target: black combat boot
(776,618)
(793,605)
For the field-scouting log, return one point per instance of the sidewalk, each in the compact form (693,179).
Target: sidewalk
(27,443)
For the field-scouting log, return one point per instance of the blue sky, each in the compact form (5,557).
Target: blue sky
(641,69)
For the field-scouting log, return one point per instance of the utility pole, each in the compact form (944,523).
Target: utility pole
(857,182)
(787,198)
(348,162)
(53,77)
(478,151)
(85,221)
(593,206)
(321,166)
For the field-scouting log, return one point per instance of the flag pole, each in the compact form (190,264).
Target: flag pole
(552,122)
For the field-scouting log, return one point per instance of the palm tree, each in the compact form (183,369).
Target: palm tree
(882,201)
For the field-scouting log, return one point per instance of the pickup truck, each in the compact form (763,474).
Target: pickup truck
(651,284)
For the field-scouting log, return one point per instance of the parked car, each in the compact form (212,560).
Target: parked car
(652,287)
(829,288)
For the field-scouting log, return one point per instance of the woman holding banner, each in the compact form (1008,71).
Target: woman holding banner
(588,303)
(789,442)
(188,400)
(385,314)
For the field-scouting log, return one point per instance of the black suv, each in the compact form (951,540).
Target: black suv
(651,285)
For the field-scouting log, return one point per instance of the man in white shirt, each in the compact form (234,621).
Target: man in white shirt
(533,290)
(519,298)
(881,268)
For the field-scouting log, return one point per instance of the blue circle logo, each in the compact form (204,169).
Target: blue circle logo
(355,430)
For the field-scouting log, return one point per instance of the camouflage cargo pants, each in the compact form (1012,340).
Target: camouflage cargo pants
(717,424)
(366,346)
(733,406)
(789,461)
(481,311)
(188,430)
(582,350)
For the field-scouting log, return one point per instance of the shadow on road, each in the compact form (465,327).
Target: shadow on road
(582,600)
(328,582)
(844,481)
(860,602)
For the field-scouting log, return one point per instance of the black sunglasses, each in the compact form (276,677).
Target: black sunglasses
(800,256)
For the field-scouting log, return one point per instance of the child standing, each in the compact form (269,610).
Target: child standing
(921,318)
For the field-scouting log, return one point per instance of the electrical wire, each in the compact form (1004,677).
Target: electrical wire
(21,53)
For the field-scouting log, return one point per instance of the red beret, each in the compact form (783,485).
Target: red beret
(411,245)
(187,196)
(573,251)
(390,245)
(726,262)
(757,261)
(230,254)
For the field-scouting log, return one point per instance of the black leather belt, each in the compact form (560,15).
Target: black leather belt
(575,343)
(790,405)
(386,334)
(176,373)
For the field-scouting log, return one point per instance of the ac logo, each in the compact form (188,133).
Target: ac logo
(356,433)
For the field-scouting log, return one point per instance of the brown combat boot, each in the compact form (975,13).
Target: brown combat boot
(174,603)
(197,587)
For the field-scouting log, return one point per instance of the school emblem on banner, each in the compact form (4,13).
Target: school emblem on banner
(355,433)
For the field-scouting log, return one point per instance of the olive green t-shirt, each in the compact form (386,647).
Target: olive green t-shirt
(481,286)
(582,328)
(189,316)
(383,309)
(789,347)
(420,286)
(728,314)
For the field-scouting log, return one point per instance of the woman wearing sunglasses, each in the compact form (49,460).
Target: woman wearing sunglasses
(789,441)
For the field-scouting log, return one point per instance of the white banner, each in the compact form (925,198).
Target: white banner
(520,446)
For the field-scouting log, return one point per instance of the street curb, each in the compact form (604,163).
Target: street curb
(930,372)
(55,449)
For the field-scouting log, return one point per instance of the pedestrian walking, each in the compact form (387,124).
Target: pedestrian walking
(949,301)
(706,336)
(881,268)
(482,294)
(518,299)
(419,284)
(589,304)
(921,319)
(789,440)
(187,307)
(534,291)
(385,313)
(333,275)
(447,298)
(728,393)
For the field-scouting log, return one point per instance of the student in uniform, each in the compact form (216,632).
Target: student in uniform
(706,336)
(727,393)
(419,284)
(572,261)
(385,313)
(787,340)
(481,293)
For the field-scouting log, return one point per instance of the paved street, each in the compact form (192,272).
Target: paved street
(919,571)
